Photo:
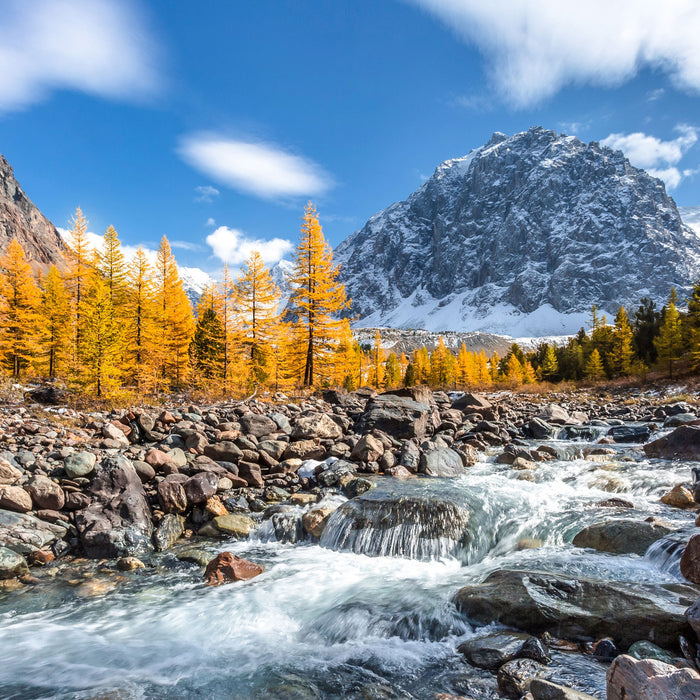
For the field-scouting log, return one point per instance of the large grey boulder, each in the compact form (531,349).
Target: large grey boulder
(682,443)
(25,534)
(622,536)
(316,425)
(397,416)
(117,522)
(579,609)
(443,461)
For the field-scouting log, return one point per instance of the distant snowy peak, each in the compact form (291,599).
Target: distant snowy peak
(691,217)
(521,236)
(195,281)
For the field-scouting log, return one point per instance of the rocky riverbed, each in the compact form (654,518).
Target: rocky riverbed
(421,545)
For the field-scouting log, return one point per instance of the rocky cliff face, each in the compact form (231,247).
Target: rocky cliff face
(20,219)
(520,236)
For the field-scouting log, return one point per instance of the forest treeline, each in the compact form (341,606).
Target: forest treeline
(108,327)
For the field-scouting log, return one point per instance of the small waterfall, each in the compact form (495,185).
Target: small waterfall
(415,527)
(665,554)
(284,527)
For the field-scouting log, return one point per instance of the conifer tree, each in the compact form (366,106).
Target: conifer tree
(55,318)
(621,353)
(226,308)
(208,341)
(549,369)
(483,371)
(257,298)
(494,367)
(409,378)
(19,311)
(79,254)
(377,361)
(316,297)
(594,365)
(529,374)
(440,365)
(113,268)
(392,371)
(669,343)
(421,365)
(514,370)
(101,346)
(174,319)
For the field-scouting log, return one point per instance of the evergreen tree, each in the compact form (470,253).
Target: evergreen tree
(409,378)
(621,353)
(647,321)
(392,371)
(669,344)
(19,311)
(55,318)
(549,369)
(100,349)
(208,343)
(316,297)
(594,365)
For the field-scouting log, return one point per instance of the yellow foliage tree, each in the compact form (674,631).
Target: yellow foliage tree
(19,311)
(55,318)
(79,254)
(317,297)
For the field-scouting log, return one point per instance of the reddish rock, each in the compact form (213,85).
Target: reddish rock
(15,498)
(690,561)
(76,501)
(172,496)
(126,429)
(648,679)
(251,474)
(158,459)
(9,475)
(45,493)
(39,557)
(399,472)
(227,567)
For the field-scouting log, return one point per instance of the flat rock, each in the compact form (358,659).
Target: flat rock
(621,536)
(25,534)
(232,524)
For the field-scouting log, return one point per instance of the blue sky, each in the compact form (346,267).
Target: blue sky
(213,123)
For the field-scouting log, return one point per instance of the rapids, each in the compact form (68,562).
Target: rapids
(358,615)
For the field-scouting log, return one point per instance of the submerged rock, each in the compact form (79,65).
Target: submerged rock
(621,536)
(378,523)
(514,677)
(581,610)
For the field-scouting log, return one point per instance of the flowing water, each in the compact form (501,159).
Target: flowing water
(329,620)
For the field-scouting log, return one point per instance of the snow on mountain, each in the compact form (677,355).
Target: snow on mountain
(691,217)
(194,280)
(520,237)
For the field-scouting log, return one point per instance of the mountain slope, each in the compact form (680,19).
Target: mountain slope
(20,219)
(521,236)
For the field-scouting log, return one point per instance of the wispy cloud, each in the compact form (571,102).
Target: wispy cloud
(186,245)
(234,247)
(211,222)
(100,47)
(262,169)
(654,95)
(474,103)
(659,157)
(535,48)
(206,193)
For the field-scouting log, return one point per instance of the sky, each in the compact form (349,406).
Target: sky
(213,123)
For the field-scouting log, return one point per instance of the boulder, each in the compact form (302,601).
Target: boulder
(9,475)
(201,486)
(647,679)
(227,567)
(316,425)
(680,496)
(12,564)
(492,651)
(554,413)
(622,536)
(46,494)
(117,522)
(579,609)
(257,424)
(690,560)
(232,524)
(367,449)
(224,451)
(25,534)
(251,474)
(78,464)
(514,677)
(315,520)
(683,443)
(158,459)
(15,498)
(442,462)
(171,494)
(471,401)
(630,433)
(539,429)
(380,523)
(397,416)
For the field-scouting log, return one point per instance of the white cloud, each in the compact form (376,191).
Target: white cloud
(234,247)
(257,168)
(536,47)
(211,222)
(99,47)
(657,156)
(185,245)
(95,242)
(206,193)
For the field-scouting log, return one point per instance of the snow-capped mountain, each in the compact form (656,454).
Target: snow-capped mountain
(520,237)
(194,280)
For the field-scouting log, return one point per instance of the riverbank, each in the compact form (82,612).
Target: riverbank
(394,533)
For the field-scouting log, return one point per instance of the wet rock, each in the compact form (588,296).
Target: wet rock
(12,564)
(492,651)
(647,650)
(630,433)
(316,425)
(357,486)
(542,689)
(336,473)
(539,429)
(615,503)
(690,560)
(118,521)
(514,677)
(129,564)
(442,462)
(15,498)
(303,499)
(24,533)
(578,609)
(399,472)
(193,555)
(45,493)
(630,678)
(397,416)
(378,523)
(605,649)
(79,464)
(534,649)
(169,530)
(232,524)
(315,520)
(227,567)
(683,443)
(621,536)
(257,424)
(680,496)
